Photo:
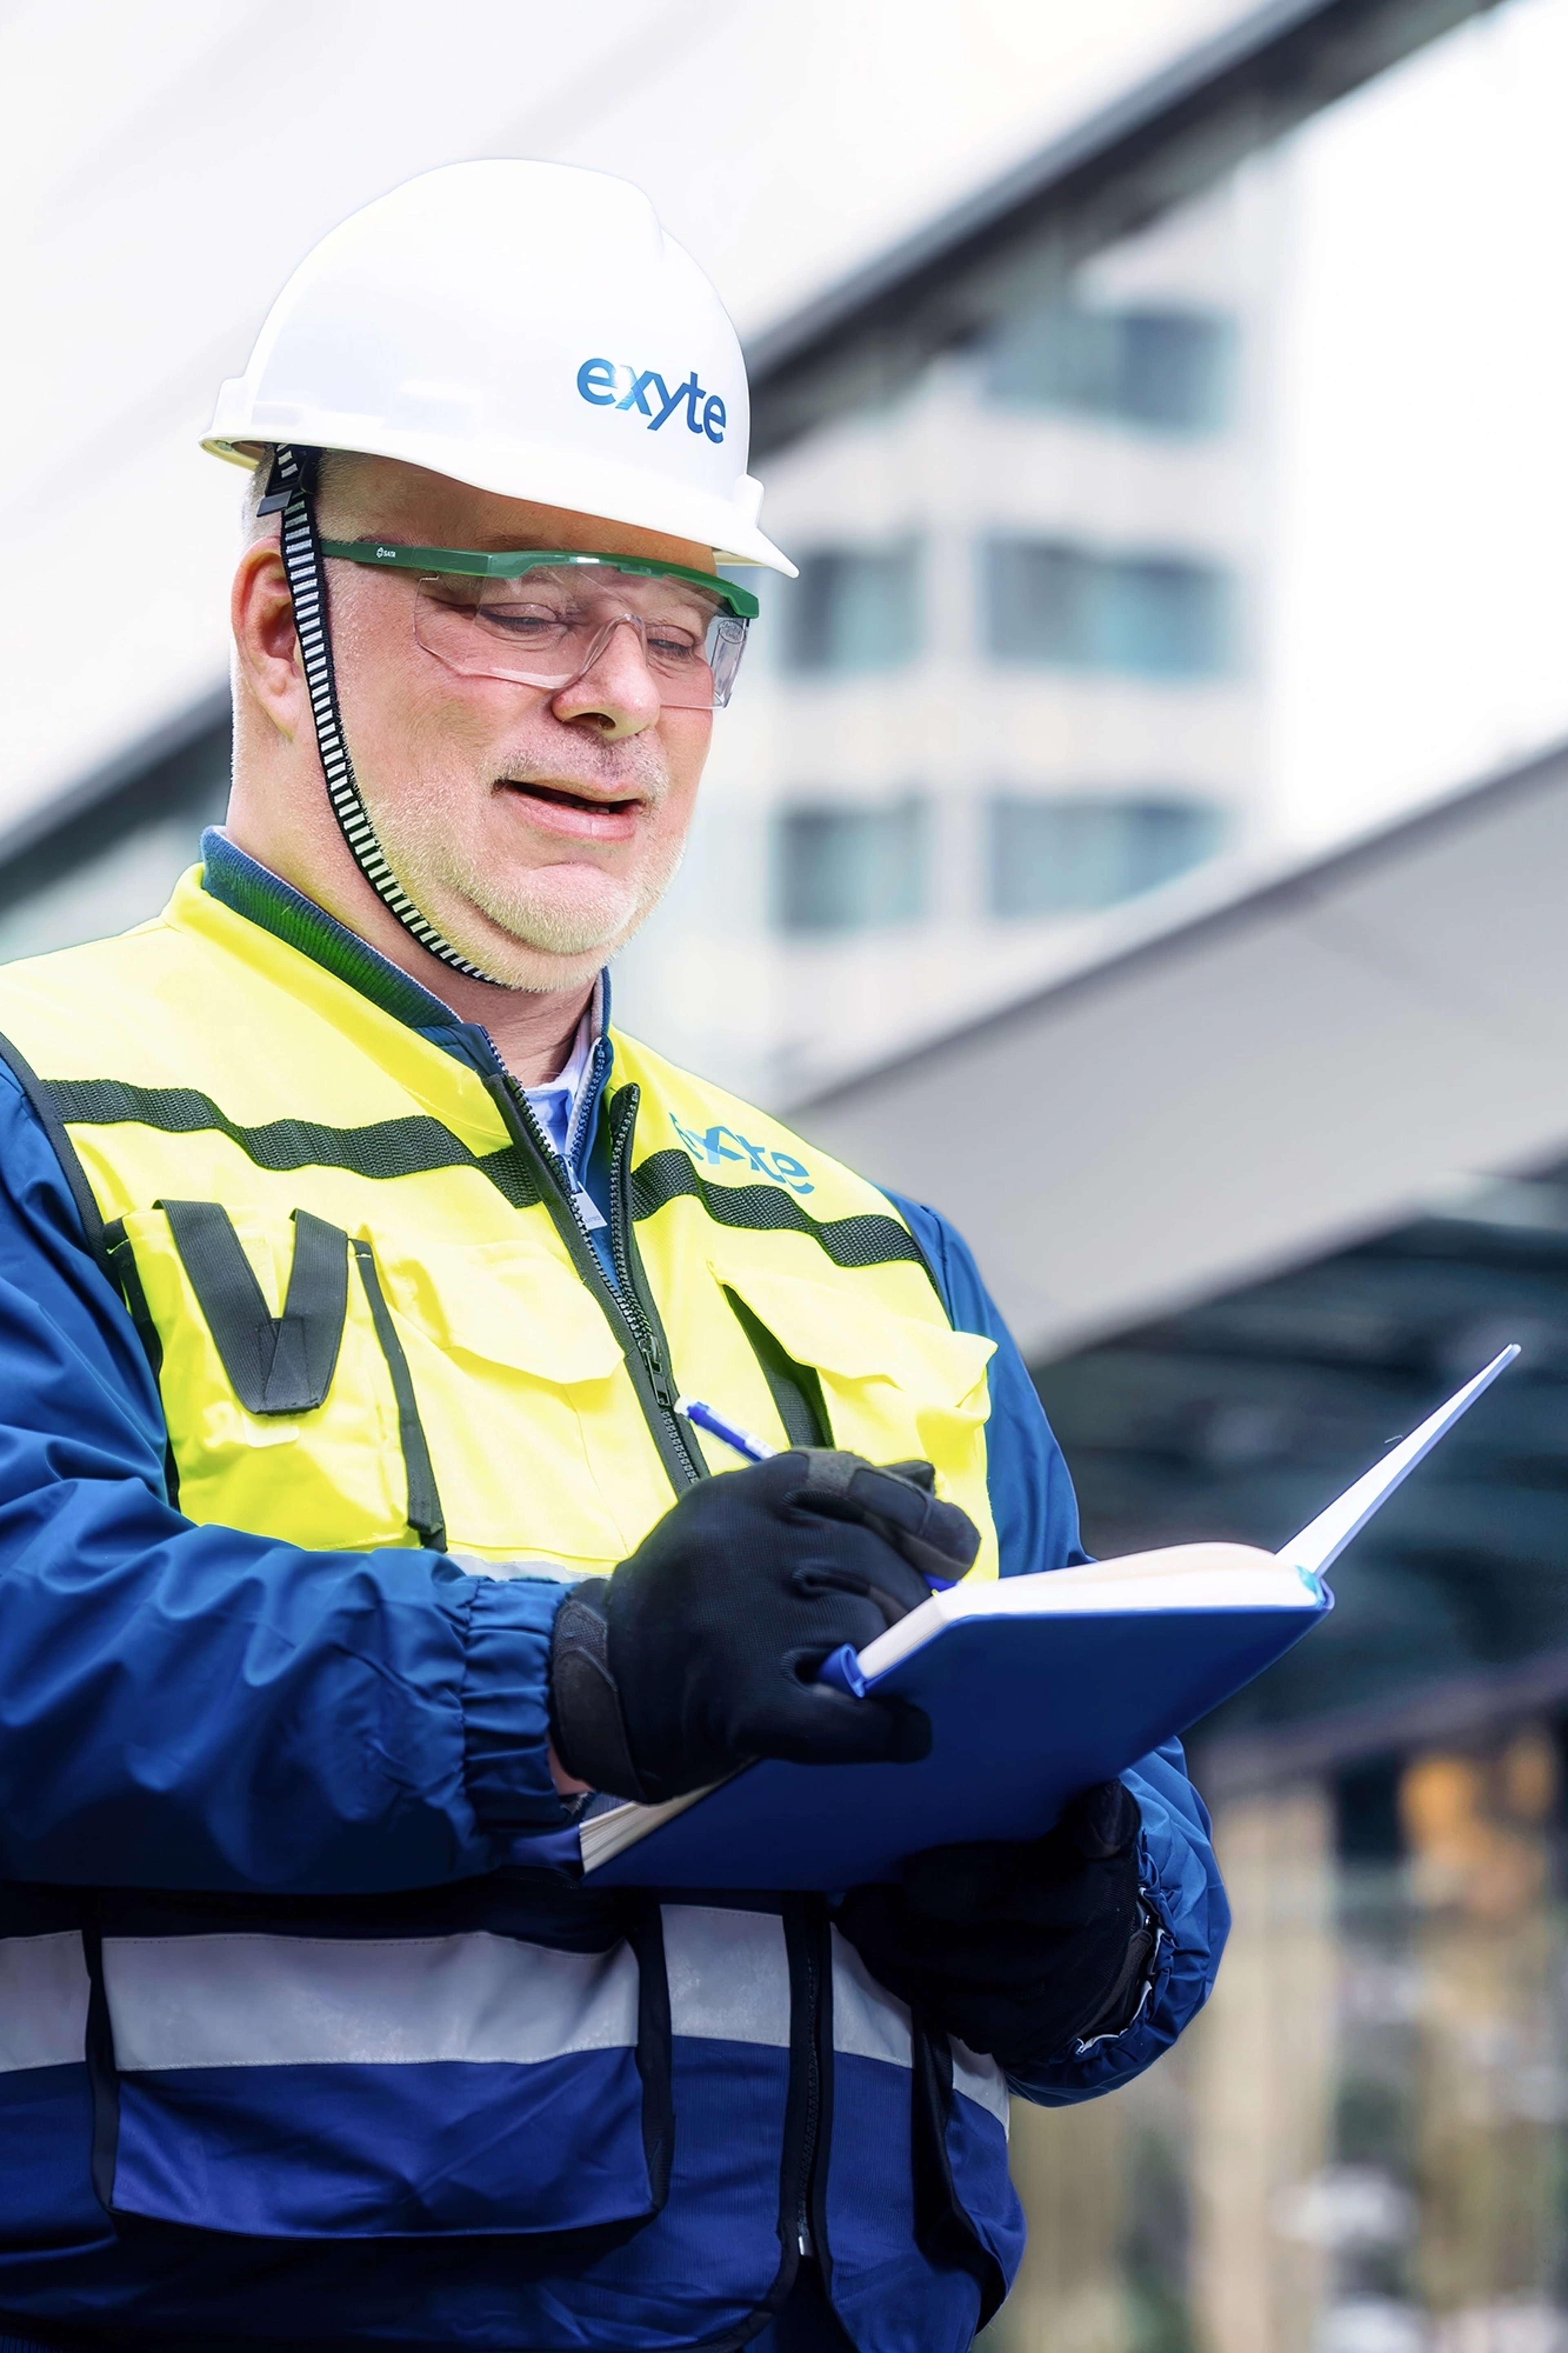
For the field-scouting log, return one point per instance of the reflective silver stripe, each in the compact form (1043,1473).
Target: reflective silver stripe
(43,2001)
(980,2079)
(554,1572)
(273,2001)
(867,2021)
(728,1974)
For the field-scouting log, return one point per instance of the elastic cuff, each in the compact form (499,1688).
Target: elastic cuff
(1125,2002)
(505,1705)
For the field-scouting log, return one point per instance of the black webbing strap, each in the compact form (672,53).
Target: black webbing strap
(108,1243)
(278,1364)
(796,1388)
(864,1239)
(289,490)
(426,1517)
(64,1152)
(128,1275)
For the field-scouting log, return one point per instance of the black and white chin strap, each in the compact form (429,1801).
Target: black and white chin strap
(290,490)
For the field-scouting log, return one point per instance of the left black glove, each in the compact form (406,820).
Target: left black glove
(1018,1950)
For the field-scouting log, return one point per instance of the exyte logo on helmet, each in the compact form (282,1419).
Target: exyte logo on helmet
(646,394)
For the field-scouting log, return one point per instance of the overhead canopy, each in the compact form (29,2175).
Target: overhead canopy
(1290,1068)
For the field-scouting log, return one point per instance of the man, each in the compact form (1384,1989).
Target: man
(352,1268)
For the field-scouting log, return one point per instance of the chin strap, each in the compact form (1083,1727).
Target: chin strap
(289,492)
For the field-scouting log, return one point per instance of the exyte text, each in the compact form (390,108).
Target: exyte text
(644,392)
(721,1144)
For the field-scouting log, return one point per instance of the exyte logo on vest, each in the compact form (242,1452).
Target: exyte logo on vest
(710,1147)
(644,392)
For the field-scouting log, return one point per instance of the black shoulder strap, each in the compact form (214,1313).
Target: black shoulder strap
(796,1388)
(426,1517)
(42,1106)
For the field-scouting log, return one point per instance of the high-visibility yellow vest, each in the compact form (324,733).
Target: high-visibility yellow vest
(375,1316)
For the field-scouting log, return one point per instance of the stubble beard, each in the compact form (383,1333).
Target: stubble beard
(571,915)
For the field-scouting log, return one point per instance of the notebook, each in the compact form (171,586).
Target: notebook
(1036,1686)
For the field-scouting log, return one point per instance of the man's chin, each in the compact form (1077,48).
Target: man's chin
(540,943)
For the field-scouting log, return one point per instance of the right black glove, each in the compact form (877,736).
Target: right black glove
(701,1651)
(1017,1948)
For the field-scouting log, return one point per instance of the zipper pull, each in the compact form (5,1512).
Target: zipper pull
(655,1362)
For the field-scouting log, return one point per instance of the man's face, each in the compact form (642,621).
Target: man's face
(536,830)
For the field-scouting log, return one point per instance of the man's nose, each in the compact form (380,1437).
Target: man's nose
(616,693)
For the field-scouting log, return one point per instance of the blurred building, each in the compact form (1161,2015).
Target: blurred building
(1020,678)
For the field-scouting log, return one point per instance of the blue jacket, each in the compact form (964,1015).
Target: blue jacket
(195,1708)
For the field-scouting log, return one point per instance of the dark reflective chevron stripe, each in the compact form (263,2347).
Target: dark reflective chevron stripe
(866,1241)
(278,1364)
(413,1146)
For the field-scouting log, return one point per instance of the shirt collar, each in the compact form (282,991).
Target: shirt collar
(558,1101)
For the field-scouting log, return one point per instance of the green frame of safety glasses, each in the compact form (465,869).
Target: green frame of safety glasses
(514,562)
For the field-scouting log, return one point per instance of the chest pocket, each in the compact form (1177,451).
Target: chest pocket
(533,1421)
(891,1386)
(285,1389)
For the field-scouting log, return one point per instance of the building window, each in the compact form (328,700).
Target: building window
(853,610)
(1073,607)
(848,867)
(1064,856)
(1162,370)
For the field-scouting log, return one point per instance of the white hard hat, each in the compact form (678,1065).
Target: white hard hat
(528,328)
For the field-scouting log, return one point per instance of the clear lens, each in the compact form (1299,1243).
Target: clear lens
(549,628)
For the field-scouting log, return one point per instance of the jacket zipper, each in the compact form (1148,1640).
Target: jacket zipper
(640,1312)
(646,1364)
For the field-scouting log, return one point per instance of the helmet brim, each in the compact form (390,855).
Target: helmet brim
(596,487)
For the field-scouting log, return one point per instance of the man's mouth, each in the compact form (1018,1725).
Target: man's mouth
(594,803)
(573,816)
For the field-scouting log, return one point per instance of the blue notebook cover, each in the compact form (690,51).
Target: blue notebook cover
(1027,1709)
(1025,1712)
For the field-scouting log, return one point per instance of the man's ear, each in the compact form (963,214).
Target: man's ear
(261,613)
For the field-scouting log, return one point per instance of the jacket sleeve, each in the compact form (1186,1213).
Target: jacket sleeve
(1037,1524)
(1181,1883)
(190,1706)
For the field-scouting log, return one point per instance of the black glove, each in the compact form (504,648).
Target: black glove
(1018,1950)
(701,1651)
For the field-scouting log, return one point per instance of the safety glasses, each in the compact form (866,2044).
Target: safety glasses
(543,617)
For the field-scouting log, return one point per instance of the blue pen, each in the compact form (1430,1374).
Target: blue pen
(844,1667)
(755,1450)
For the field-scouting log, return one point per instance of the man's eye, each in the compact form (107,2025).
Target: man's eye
(671,645)
(524,621)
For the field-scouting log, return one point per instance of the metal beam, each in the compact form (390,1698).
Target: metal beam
(1159,145)
(1244,1088)
(1453,1714)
